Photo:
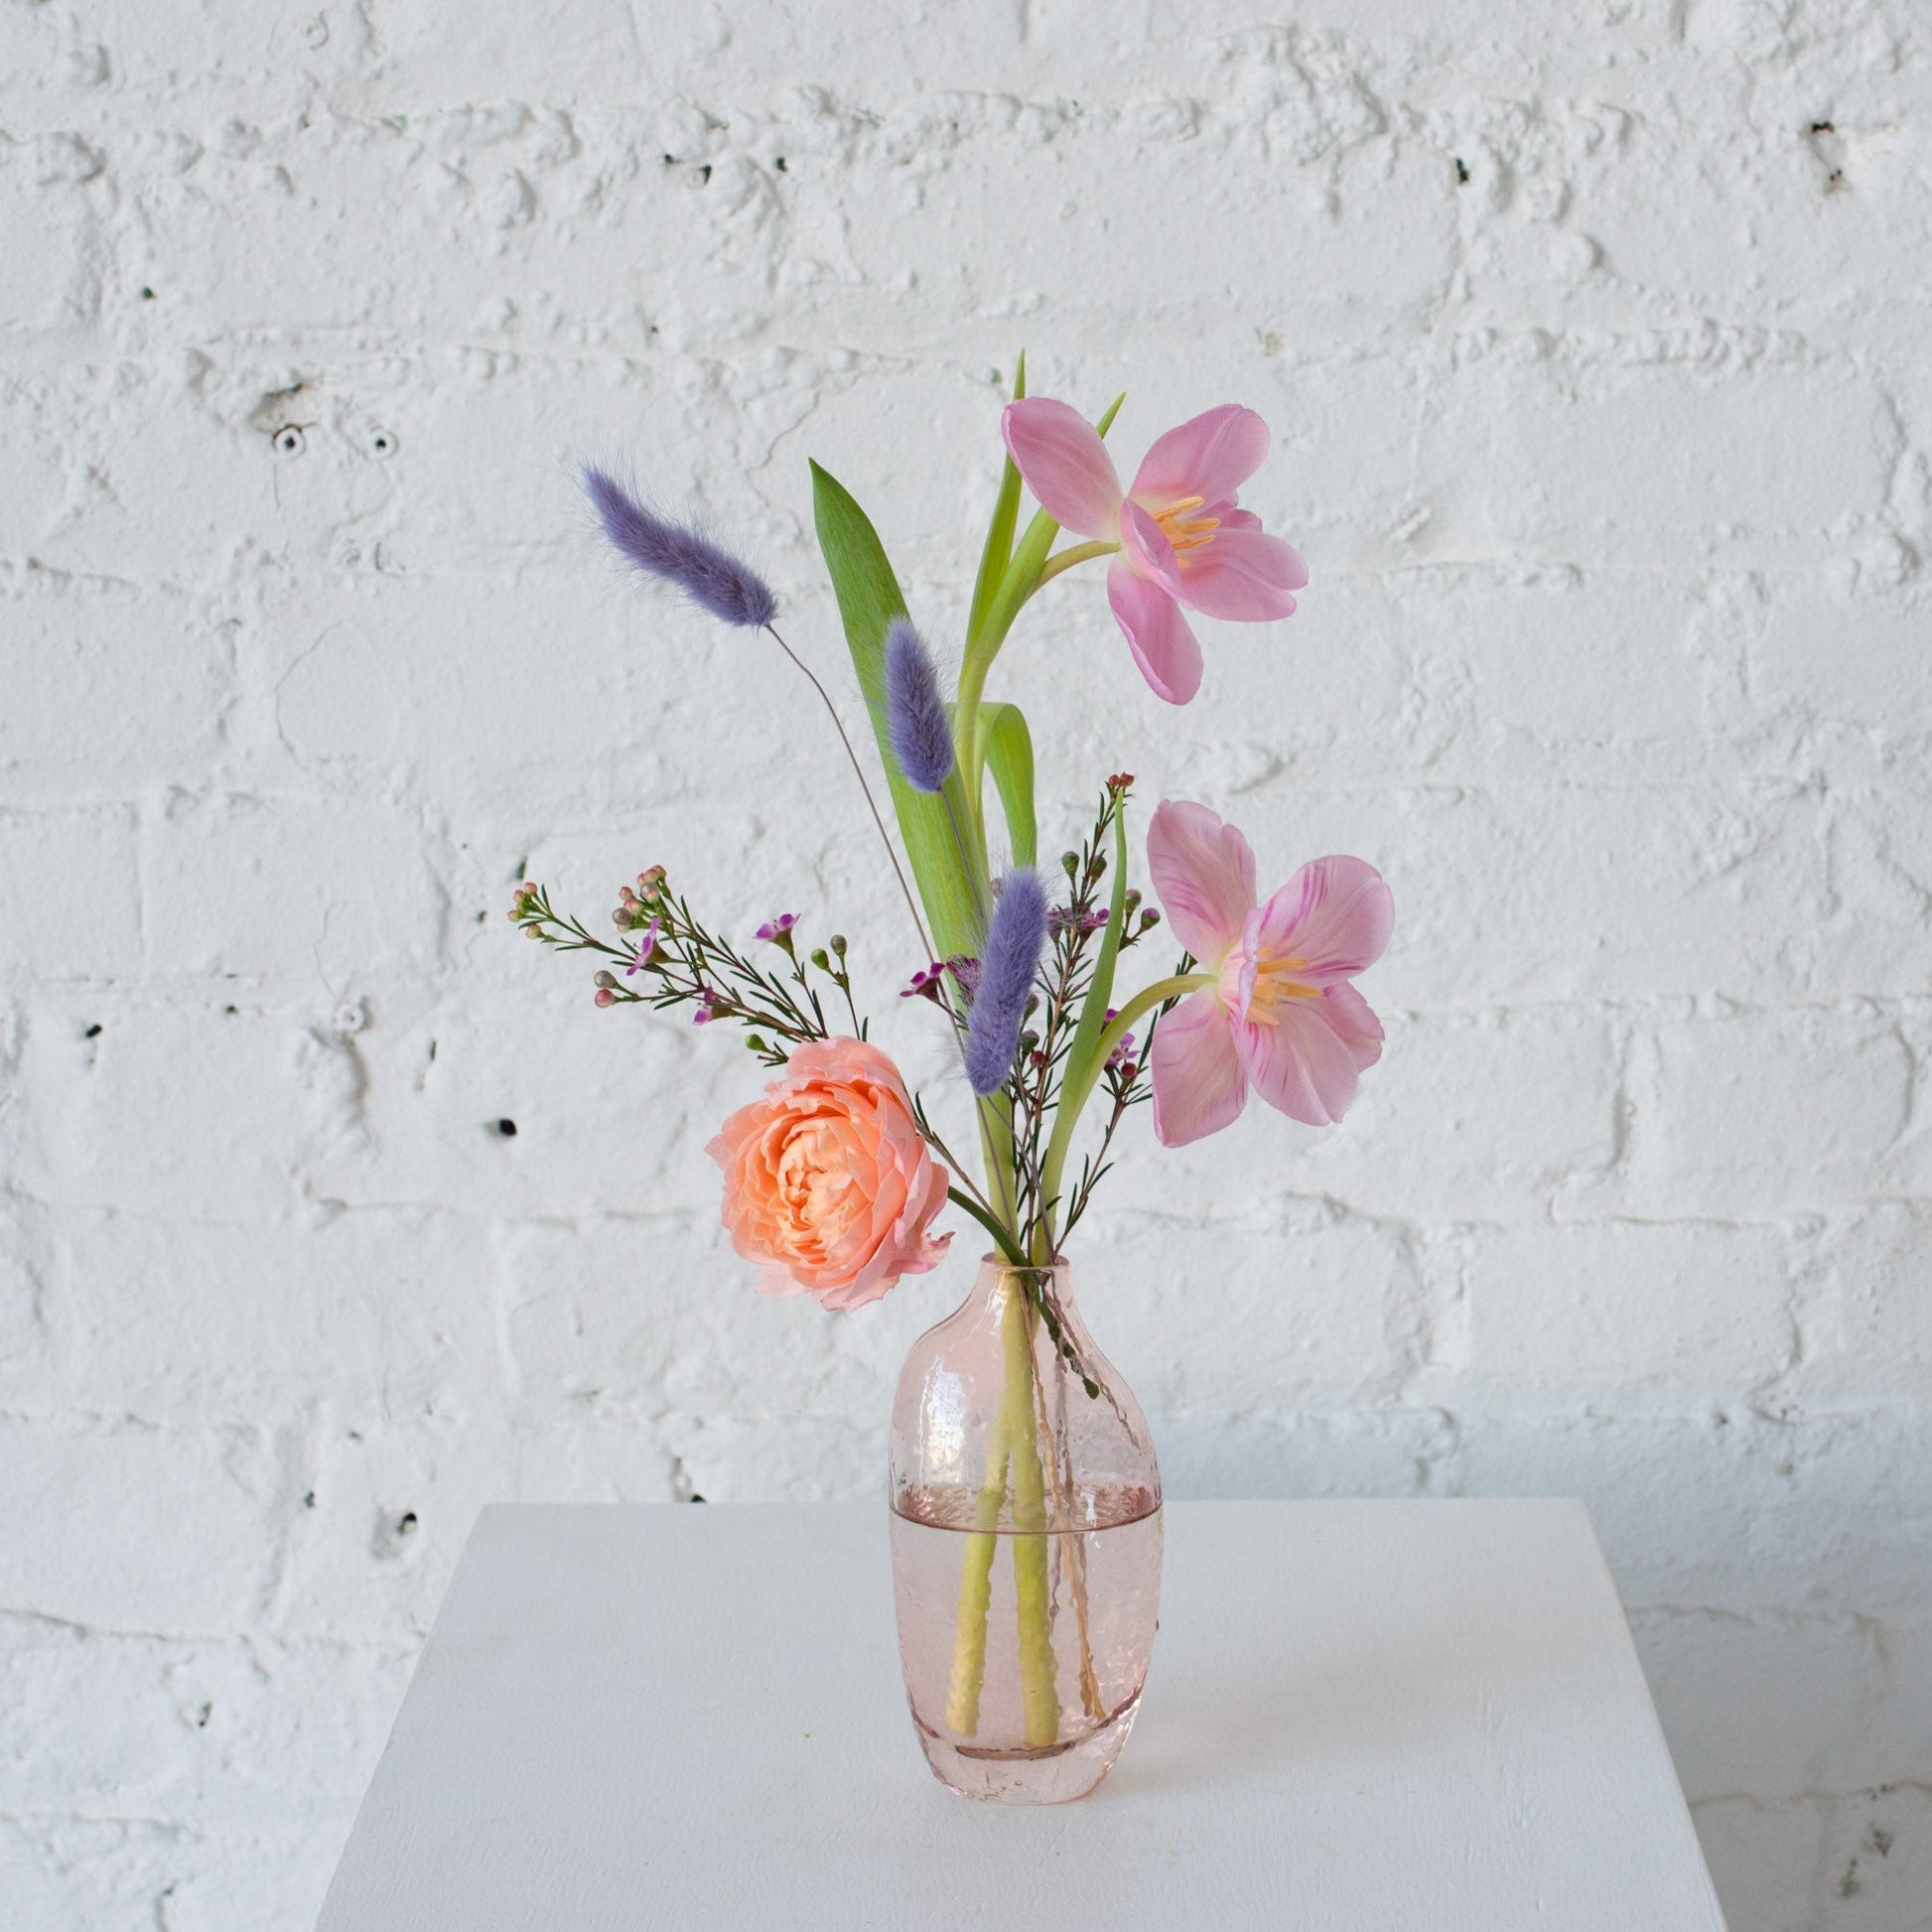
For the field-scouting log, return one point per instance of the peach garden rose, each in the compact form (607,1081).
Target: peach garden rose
(828,1180)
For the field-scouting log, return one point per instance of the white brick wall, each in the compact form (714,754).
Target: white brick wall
(1610,460)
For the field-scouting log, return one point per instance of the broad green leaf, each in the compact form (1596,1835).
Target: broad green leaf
(869,599)
(1010,757)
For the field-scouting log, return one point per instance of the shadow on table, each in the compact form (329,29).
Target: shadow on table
(1247,1712)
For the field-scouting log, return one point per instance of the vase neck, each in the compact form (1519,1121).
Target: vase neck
(998,1279)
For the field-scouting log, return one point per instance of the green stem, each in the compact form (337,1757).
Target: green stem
(1007,1245)
(995,1147)
(1038,1695)
(976,1587)
(1081,1080)
(995,616)
(1077,553)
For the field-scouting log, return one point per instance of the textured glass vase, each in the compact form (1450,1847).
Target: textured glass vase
(1025,1542)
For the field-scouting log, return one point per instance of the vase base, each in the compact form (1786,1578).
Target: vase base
(1053,1776)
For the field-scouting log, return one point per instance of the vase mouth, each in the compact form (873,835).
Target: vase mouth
(998,1264)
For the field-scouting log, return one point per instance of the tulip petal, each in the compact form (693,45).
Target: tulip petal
(1198,1085)
(1164,646)
(1063,462)
(1335,916)
(1301,1067)
(1355,1023)
(1243,574)
(1146,550)
(1211,455)
(1203,873)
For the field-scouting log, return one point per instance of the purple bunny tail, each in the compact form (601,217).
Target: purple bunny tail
(1010,957)
(915,713)
(710,576)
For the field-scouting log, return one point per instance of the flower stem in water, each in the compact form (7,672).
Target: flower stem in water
(976,1588)
(1040,1699)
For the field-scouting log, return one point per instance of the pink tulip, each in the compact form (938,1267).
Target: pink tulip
(1183,540)
(1280,1016)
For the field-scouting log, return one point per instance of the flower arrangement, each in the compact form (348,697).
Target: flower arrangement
(835,1177)
(833,1180)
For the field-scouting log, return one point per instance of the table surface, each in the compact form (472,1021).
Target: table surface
(1373,1716)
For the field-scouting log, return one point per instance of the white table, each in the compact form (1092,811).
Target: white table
(1361,1717)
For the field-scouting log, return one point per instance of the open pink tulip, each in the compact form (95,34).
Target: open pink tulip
(1282,1017)
(1182,539)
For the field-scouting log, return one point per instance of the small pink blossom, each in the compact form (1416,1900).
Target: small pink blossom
(926,984)
(646,946)
(1282,1016)
(1183,540)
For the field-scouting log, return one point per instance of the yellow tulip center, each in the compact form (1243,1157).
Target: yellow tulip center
(1275,986)
(1185,532)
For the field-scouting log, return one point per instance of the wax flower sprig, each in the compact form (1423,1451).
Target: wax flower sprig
(677,961)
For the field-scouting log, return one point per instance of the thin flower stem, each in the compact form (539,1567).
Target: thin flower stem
(1176,987)
(952,1161)
(858,770)
(1073,1097)
(1077,553)
(975,1584)
(1006,1243)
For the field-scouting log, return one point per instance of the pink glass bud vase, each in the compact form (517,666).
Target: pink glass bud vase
(1025,1542)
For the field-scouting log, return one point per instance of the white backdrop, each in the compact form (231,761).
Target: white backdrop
(1593,341)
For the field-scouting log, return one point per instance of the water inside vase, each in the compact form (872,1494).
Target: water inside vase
(987,1700)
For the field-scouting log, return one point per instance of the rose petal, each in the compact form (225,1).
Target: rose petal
(827,1180)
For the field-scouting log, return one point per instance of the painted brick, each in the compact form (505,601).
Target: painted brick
(1594,358)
